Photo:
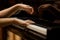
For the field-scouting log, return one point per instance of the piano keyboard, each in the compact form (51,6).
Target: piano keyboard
(36,28)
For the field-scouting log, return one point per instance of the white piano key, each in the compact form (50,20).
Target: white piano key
(38,29)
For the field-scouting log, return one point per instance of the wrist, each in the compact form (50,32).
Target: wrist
(19,6)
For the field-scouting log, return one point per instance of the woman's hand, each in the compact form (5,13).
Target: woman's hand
(45,5)
(7,21)
(26,8)
(23,22)
(13,9)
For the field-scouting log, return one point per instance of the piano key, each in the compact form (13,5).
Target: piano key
(38,29)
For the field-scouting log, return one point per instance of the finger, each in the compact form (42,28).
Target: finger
(27,8)
(30,21)
(32,11)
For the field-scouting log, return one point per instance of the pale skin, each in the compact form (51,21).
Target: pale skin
(6,13)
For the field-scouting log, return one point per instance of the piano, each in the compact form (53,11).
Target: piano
(37,31)
(34,31)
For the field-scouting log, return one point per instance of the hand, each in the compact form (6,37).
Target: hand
(27,22)
(22,22)
(45,5)
(26,8)
(7,21)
